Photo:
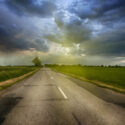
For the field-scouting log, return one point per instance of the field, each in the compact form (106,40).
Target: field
(111,77)
(9,72)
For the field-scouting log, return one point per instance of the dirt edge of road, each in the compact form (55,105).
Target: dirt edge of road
(10,82)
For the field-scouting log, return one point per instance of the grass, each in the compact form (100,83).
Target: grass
(12,83)
(110,77)
(9,72)
(15,72)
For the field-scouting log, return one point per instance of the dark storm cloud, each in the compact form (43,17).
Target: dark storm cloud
(96,8)
(3,31)
(12,45)
(76,33)
(109,14)
(73,30)
(53,38)
(108,44)
(88,28)
(9,42)
(17,34)
(42,45)
(31,7)
(8,31)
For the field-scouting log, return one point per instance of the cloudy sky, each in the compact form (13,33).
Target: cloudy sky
(89,32)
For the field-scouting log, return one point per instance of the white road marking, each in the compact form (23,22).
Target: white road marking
(64,95)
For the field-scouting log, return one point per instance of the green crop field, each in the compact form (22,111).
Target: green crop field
(8,72)
(112,76)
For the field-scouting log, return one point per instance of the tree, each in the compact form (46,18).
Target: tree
(37,61)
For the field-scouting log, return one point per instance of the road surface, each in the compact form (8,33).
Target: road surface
(51,98)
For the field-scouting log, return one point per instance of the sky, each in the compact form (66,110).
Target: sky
(87,32)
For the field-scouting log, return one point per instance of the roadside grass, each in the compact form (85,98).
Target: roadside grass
(9,72)
(12,83)
(109,77)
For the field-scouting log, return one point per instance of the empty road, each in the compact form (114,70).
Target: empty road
(51,98)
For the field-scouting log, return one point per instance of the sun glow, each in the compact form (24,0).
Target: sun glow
(67,51)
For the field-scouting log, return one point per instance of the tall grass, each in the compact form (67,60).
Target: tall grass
(114,76)
(8,72)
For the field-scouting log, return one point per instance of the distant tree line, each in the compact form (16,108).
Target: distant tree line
(49,65)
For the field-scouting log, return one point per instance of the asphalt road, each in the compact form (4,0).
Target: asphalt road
(51,98)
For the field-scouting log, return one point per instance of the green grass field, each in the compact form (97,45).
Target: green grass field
(8,72)
(113,76)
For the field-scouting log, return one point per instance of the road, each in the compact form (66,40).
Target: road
(51,98)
